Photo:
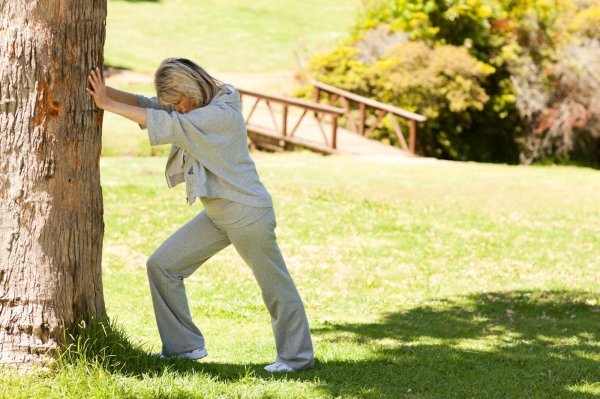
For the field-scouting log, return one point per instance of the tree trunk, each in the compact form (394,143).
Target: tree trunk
(51,225)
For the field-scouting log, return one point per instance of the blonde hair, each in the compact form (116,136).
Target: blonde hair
(176,78)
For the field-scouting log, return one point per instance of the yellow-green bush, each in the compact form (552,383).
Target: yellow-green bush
(340,68)
(430,79)
(442,82)
(587,22)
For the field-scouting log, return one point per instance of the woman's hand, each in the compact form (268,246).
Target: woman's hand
(104,102)
(99,93)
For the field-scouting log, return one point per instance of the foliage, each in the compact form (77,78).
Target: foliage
(586,22)
(439,82)
(562,109)
(342,68)
(558,91)
(521,44)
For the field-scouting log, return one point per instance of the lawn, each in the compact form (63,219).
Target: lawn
(450,280)
(232,36)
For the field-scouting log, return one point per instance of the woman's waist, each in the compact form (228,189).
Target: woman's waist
(227,212)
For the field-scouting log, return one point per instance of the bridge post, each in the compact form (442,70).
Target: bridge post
(285,120)
(334,124)
(412,136)
(363,116)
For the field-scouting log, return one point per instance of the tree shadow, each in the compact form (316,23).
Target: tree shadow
(495,344)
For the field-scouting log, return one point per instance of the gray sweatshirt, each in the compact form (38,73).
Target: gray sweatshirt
(209,149)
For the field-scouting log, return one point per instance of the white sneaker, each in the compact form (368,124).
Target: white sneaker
(193,355)
(279,368)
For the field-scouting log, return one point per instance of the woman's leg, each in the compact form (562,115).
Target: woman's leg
(257,245)
(175,259)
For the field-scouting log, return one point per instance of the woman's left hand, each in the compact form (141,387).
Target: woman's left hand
(96,79)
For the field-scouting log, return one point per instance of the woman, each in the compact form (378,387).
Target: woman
(201,118)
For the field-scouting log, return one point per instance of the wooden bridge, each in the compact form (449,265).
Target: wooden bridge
(279,123)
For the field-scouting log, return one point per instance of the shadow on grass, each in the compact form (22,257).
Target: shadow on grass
(497,344)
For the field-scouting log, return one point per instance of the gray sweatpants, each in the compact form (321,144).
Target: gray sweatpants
(251,230)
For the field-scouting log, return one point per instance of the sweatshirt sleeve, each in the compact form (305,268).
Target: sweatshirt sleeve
(188,130)
(152,102)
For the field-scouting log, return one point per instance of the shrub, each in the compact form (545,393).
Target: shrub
(488,73)
(557,77)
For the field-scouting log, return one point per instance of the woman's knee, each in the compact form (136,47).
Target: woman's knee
(154,264)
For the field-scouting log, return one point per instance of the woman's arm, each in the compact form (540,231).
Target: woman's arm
(104,102)
(135,114)
(122,96)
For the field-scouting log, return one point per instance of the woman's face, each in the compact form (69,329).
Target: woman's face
(186,104)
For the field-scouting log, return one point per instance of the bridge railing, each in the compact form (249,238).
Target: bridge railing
(358,126)
(282,131)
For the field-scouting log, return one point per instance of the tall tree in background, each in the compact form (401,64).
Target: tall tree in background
(51,225)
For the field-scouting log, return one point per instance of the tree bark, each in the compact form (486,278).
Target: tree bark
(51,214)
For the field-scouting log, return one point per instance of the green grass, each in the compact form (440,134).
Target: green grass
(231,36)
(420,281)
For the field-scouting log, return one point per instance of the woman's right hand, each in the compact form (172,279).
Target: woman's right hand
(96,79)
